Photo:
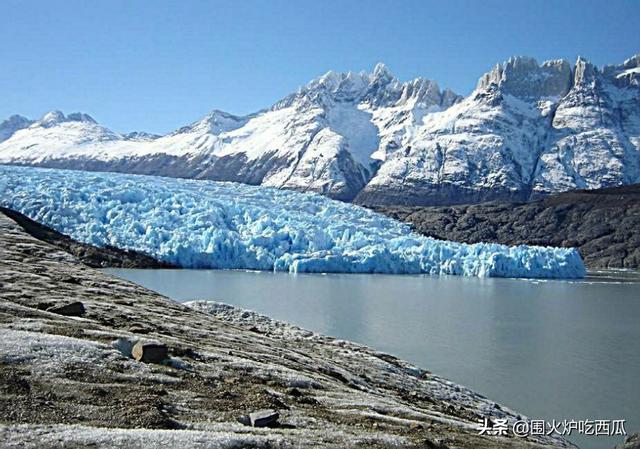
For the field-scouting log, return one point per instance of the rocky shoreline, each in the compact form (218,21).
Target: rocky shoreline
(604,224)
(68,377)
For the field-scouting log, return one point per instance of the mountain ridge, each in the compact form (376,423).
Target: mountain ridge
(527,130)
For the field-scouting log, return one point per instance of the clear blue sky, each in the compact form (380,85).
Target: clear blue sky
(158,65)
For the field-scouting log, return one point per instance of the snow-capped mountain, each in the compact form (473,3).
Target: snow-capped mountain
(329,137)
(528,129)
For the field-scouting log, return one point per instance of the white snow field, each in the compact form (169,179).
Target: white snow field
(207,224)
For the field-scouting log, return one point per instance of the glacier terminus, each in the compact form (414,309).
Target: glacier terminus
(209,224)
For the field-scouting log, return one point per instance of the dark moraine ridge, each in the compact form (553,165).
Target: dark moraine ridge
(108,257)
(603,224)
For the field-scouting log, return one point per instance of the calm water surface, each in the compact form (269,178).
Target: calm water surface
(549,349)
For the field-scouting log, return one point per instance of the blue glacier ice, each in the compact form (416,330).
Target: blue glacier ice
(205,224)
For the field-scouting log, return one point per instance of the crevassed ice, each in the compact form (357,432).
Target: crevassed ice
(205,224)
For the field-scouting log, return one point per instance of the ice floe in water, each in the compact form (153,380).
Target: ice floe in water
(205,224)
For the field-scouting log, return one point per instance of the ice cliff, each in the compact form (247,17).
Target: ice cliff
(206,224)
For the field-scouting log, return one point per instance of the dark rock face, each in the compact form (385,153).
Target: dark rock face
(603,224)
(92,256)
(435,195)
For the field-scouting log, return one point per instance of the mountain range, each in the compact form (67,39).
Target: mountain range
(527,130)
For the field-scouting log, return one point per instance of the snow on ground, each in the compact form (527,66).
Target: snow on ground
(203,224)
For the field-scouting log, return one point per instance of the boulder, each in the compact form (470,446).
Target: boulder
(263,418)
(149,352)
(75,308)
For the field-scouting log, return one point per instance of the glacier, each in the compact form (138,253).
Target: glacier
(223,225)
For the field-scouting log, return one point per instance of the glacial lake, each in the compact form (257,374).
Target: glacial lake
(548,349)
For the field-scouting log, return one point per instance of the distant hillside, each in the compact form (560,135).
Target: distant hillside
(603,224)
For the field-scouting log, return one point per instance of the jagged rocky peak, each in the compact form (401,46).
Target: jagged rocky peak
(16,120)
(215,122)
(632,63)
(423,91)
(626,74)
(54,118)
(219,121)
(80,117)
(449,98)
(584,72)
(382,72)
(380,88)
(14,123)
(622,75)
(630,76)
(523,77)
(218,116)
(141,136)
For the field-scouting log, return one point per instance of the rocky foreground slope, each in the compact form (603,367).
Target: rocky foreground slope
(604,225)
(105,257)
(67,377)
(527,130)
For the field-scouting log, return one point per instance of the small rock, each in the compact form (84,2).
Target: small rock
(263,418)
(244,420)
(294,392)
(69,280)
(434,444)
(149,352)
(136,328)
(75,308)
(184,352)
